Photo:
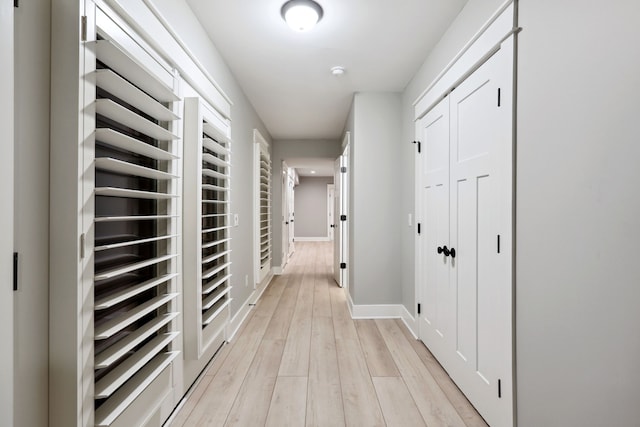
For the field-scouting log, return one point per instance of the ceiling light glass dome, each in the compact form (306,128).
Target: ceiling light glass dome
(301,15)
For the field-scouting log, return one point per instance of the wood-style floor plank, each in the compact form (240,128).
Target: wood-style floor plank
(468,413)
(433,404)
(361,405)
(324,404)
(376,353)
(289,403)
(398,407)
(299,359)
(295,359)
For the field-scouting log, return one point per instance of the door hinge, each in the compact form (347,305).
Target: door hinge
(16,3)
(419,145)
(418,308)
(15,271)
(498,243)
(343,265)
(343,217)
(82,246)
(83,28)
(499,389)
(498,97)
(343,169)
(419,228)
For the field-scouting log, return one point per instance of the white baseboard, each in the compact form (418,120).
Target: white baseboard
(245,308)
(410,322)
(312,239)
(277,270)
(378,311)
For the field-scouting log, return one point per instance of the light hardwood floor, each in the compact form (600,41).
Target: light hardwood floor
(300,360)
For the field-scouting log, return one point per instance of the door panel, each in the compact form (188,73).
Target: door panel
(465,204)
(478,173)
(436,323)
(337,235)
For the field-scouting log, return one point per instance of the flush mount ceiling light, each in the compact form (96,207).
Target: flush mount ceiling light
(337,71)
(301,15)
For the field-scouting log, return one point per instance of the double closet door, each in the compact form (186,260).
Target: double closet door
(465,253)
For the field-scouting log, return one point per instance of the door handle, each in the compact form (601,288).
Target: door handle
(446,251)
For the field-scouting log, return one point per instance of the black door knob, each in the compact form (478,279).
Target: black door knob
(452,251)
(444,250)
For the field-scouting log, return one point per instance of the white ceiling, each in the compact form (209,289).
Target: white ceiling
(304,166)
(286,74)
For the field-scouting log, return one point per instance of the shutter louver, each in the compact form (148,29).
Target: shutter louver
(135,230)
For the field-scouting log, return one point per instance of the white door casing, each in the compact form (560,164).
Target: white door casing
(467,317)
(6,217)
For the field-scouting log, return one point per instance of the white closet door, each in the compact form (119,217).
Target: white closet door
(465,246)
(481,146)
(436,323)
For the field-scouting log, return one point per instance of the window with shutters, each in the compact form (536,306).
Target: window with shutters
(263,205)
(207,226)
(135,240)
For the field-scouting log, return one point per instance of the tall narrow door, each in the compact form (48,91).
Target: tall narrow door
(466,199)
(436,323)
(292,214)
(336,224)
(6,217)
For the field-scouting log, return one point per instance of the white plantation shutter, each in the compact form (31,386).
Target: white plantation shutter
(207,226)
(264,196)
(136,209)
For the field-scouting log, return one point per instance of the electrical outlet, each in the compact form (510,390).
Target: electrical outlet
(236,220)
(246,280)
(410,220)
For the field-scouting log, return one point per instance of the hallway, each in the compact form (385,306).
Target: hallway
(299,359)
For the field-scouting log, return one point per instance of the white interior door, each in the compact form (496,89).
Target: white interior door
(344,212)
(331,194)
(466,248)
(6,215)
(291,201)
(285,214)
(337,241)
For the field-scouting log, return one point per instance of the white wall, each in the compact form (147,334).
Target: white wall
(375,195)
(285,149)
(31,208)
(243,120)
(578,214)
(311,207)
